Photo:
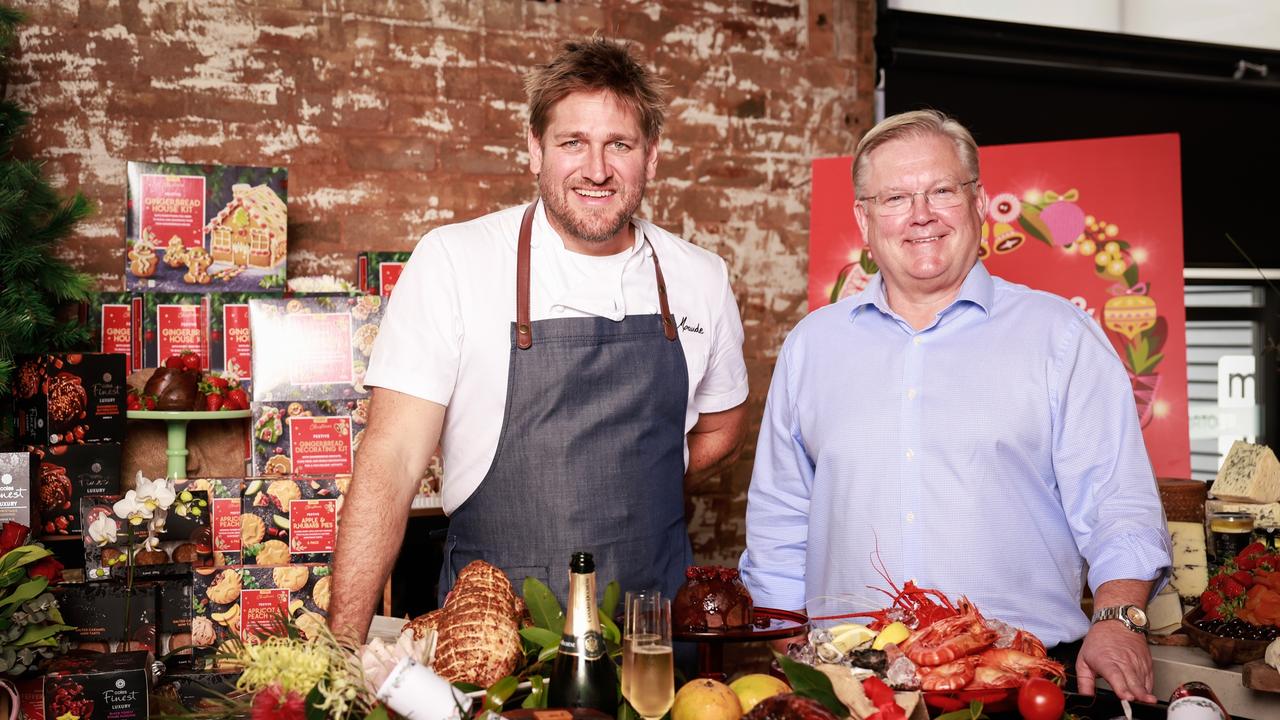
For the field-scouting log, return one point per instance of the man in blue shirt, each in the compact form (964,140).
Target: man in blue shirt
(980,435)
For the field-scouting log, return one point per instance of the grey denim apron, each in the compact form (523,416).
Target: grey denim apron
(590,456)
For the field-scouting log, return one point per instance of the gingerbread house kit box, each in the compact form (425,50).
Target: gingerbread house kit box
(205,228)
(313,348)
(378,272)
(115,325)
(311,437)
(173,324)
(70,398)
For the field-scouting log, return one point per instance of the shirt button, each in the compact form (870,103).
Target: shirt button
(910,454)
(915,341)
(911,394)
(911,517)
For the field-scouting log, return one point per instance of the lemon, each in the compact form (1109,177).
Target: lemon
(893,633)
(850,635)
(751,689)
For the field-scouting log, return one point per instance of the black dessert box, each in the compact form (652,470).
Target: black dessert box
(185,541)
(15,486)
(194,686)
(97,686)
(70,398)
(67,474)
(97,612)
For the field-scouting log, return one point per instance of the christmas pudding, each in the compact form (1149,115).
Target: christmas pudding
(712,598)
(174,389)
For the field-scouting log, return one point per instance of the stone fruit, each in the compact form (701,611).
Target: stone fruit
(705,699)
(751,689)
(893,633)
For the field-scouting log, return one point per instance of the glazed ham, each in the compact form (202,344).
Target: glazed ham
(478,638)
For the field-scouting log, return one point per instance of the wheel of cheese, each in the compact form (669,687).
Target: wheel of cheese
(1183,499)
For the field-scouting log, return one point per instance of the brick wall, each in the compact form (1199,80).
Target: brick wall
(395,117)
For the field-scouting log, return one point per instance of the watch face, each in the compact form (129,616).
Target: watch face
(1135,615)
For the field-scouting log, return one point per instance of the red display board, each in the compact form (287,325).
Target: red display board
(1098,222)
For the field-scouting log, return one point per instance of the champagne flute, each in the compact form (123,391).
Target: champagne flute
(631,597)
(647,666)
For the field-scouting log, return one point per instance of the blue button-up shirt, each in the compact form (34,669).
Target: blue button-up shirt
(991,454)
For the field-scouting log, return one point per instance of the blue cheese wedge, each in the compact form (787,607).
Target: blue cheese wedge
(1190,561)
(1250,474)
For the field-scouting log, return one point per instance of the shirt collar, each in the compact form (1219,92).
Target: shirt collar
(978,289)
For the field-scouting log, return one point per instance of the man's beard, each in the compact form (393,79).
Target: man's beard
(589,228)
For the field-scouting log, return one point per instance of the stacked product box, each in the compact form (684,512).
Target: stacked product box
(310,402)
(288,532)
(205,228)
(224,515)
(16,481)
(98,686)
(71,422)
(115,325)
(108,616)
(378,272)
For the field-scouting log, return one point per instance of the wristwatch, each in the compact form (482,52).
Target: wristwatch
(1131,616)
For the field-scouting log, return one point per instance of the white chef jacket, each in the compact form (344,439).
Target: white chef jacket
(446,336)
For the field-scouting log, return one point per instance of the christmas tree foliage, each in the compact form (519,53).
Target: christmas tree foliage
(34,283)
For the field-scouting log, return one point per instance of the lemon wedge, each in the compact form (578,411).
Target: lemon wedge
(851,635)
(893,633)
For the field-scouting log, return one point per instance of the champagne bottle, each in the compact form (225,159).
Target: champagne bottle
(583,674)
(1195,700)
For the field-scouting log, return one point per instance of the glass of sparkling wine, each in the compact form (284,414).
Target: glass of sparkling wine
(631,597)
(648,676)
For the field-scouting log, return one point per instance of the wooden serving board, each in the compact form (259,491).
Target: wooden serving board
(1257,675)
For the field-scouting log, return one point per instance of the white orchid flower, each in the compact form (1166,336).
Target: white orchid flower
(131,509)
(103,530)
(151,543)
(157,520)
(158,493)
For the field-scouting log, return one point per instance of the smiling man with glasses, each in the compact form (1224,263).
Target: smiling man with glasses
(979,436)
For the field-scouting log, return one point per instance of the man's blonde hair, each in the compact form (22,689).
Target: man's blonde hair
(913,124)
(592,65)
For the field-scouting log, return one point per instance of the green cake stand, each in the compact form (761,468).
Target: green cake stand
(176,421)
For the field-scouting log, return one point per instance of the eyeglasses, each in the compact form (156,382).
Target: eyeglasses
(897,203)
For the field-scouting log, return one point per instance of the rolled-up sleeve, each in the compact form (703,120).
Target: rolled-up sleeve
(773,565)
(1104,475)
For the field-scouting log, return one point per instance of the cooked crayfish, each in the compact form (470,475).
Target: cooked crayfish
(951,638)
(912,605)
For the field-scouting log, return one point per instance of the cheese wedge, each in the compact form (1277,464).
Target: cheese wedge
(1164,612)
(1264,515)
(1250,473)
(1190,561)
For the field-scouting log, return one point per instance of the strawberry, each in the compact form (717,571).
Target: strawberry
(1232,589)
(218,383)
(1243,577)
(237,399)
(133,402)
(149,402)
(173,362)
(190,360)
(212,402)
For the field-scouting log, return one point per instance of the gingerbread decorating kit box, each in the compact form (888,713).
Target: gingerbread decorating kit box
(70,398)
(307,437)
(378,272)
(313,348)
(205,228)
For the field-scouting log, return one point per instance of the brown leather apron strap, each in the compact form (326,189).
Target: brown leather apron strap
(668,320)
(524,329)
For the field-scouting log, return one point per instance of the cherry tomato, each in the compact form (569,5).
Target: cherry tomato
(1040,699)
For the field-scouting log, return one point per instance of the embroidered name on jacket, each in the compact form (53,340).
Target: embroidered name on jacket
(684,325)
